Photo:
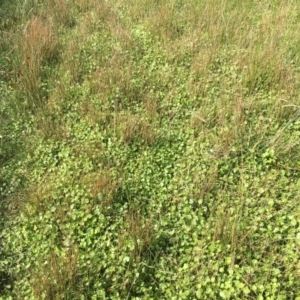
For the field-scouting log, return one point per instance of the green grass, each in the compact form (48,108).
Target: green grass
(149,150)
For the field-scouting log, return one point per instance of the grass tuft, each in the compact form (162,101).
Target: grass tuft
(149,149)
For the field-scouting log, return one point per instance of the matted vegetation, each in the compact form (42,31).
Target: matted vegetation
(149,149)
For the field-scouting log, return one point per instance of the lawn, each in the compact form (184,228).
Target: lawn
(149,149)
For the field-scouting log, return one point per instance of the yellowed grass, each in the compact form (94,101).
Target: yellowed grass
(39,43)
(57,274)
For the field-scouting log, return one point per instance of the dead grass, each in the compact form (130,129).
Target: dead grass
(140,231)
(56,276)
(102,187)
(61,11)
(39,44)
(132,128)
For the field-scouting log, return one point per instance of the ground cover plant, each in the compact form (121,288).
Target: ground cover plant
(149,149)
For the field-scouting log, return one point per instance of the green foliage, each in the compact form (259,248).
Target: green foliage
(149,150)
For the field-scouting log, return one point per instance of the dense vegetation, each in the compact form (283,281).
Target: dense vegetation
(149,149)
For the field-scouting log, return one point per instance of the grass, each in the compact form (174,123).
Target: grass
(149,150)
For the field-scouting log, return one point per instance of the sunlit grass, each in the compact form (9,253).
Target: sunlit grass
(150,150)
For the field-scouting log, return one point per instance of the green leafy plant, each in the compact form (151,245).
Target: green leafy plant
(149,150)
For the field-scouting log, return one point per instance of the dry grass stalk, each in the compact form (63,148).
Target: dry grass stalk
(39,45)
